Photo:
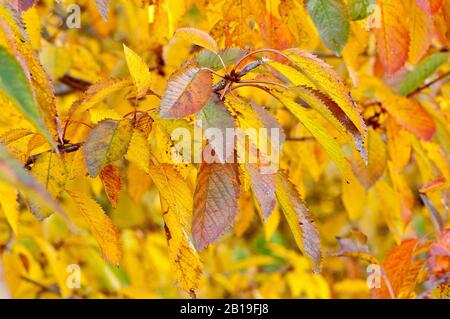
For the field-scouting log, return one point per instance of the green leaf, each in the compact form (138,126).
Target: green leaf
(331,20)
(106,143)
(423,70)
(361,9)
(208,59)
(16,88)
(215,115)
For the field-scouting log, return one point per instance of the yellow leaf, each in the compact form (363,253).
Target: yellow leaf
(175,191)
(97,93)
(326,80)
(390,208)
(197,37)
(57,265)
(139,71)
(100,225)
(421,30)
(186,264)
(299,220)
(10,206)
(138,182)
(317,130)
(139,151)
(32,21)
(100,114)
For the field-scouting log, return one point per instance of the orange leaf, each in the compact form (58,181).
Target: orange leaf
(110,177)
(397,266)
(421,31)
(392,37)
(411,115)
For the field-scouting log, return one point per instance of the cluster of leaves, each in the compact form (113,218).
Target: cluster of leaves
(87,163)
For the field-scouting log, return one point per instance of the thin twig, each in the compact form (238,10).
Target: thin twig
(423,87)
(300,139)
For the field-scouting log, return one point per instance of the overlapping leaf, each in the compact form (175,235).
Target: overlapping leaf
(217,184)
(392,36)
(332,21)
(15,86)
(187,92)
(139,71)
(197,37)
(100,225)
(106,143)
(299,220)
(110,177)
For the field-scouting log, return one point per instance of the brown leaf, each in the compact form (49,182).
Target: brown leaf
(354,245)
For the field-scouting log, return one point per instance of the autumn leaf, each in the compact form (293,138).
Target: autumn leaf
(100,225)
(175,192)
(421,72)
(139,150)
(209,59)
(299,220)
(361,9)
(197,37)
(420,30)
(185,261)
(216,184)
(263,186)
(325,79)
(392,36)
(139,71)
(318,131)
(369,173)
(106,143)
(15,86)
(110,177)
(216,116)
(430,6)
(22,5)
(10,206)
(399,267)
(331,19)
(411,115)
(355,245)
(13,174)
(50,170)
(187,92)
